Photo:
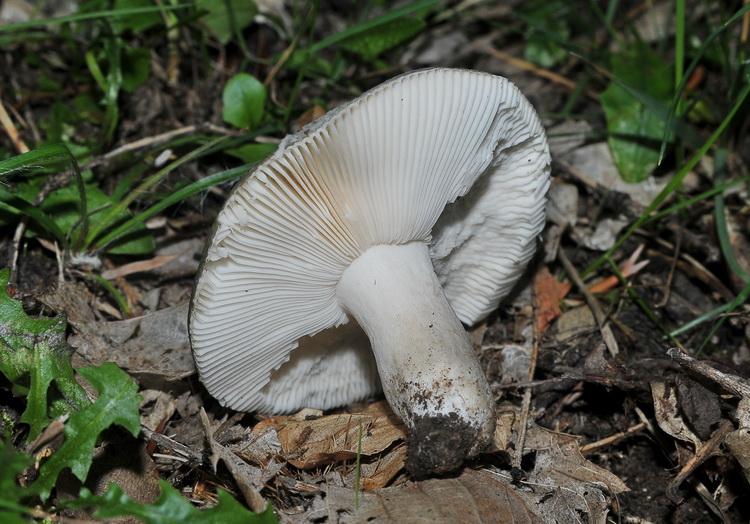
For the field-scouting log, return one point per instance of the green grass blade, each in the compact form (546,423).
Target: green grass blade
(705,317)
(39,216)
(147,184)
(697,198)
(720,217)
(699,55)
(734,304)
(370,24)
(674,183)
(94,15)
(47,156)
(174,198)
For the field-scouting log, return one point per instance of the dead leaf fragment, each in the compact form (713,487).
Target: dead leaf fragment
(668,414)
(563,484)
(549,293)
(308,443)
(738,441)
(699,406)
(155,344)
(472,497)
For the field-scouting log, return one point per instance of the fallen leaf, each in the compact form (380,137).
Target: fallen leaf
(311,443)
(668,415)
(738,441)
(562,484)
(562,207)
(549,293)
(471,497)
(155,344)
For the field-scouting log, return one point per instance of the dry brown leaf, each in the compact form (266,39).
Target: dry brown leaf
(668,414)
(308,443)
(549,294)
(155,344)
(380,473)
(138,266)
(472,497)
(738,441)
(574,323)
(563,484)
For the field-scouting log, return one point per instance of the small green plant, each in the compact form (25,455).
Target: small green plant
(36,360)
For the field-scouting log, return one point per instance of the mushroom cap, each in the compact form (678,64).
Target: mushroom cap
(454,158)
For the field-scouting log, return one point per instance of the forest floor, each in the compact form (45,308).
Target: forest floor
(623,354)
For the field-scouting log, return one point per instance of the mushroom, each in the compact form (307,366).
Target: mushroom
(399,216)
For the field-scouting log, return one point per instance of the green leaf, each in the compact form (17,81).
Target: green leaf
(63,206)
(136,67)
(118,403)
(12,518)
(33,355)
(244,97)
(225,18)
(377,40)
(635,130)
(252,153)
(171,508)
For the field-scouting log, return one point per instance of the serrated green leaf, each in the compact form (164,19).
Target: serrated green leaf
(634,130)
(118,403)
(171,508)
(373,42)
(33,355)
(244,97)
(227,17)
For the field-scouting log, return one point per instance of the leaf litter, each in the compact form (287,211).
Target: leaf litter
(597,423)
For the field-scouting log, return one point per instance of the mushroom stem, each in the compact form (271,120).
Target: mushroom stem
(429,372)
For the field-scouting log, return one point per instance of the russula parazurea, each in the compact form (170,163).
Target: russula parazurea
(350,258)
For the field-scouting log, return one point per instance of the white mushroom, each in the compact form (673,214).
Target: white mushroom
(408,211)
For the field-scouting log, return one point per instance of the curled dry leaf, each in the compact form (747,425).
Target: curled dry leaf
(668,415)
(308,442)
(156,343)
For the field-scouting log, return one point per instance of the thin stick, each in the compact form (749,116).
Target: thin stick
(593,303)
(736,385)
(10,128)
(588,448)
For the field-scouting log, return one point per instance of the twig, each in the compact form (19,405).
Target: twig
(737,385)
(156,140)
(528,66)
(212,446)
(593,303)
(526,402)
(701,455)
(16,247)
(588,448)
(172,445)
(13,134)
(672,268)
